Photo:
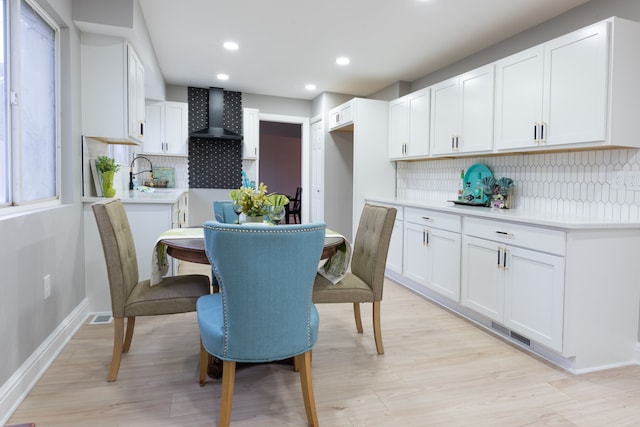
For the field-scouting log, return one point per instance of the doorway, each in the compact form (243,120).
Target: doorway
(278,165)
(281,156)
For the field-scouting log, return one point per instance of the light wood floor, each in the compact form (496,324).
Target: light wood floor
(437,370)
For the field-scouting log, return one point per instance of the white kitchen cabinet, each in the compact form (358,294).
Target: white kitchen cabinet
(396,244)
(573,91)
(341,117)
(167,128)
(409,126)
(135,95)
(565,289)
(180,212)
(462,113)
(113,103)
(250,133)
(394,255)
(432,251)
(509,276)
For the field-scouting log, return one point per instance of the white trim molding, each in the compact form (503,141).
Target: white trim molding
(14,391)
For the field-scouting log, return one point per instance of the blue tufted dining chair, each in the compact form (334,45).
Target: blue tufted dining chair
(264,310)
(223,211)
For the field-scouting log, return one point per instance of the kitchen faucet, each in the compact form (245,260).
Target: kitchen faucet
(131,174)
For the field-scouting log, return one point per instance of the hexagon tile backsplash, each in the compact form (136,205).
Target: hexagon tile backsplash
(599,183)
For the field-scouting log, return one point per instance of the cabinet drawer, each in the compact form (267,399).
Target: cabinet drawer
(434,219)
(536,238)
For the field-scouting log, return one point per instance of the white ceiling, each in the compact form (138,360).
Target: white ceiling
(285,44)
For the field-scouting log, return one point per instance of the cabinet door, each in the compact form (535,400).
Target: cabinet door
(519,94)
(154,118)
(341,117)
(419,112)
(176,126)
(482,277)
(575,103)
(135,94)
(250,133)
(534,296)
(394,256)
(445,116)
(476,122)
(398,127)
(415,253)
(444,263)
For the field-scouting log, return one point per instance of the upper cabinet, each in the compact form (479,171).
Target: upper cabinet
(250,133)
(409,126)
(113,103)
(167,128)
(462,113)
(135,95)
(573,91)
(341,117)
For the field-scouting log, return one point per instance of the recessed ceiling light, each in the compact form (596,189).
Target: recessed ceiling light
(343,60)
(222,76)
(310,87)
(231,45)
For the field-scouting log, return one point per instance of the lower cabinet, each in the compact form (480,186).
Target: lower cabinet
(518,288)
(432,250)
(566,291)
(394,256)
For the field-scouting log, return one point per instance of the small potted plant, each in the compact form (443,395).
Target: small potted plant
(107,168)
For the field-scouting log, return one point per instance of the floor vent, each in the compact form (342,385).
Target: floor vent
(101,319)
(524,340)
(509,333)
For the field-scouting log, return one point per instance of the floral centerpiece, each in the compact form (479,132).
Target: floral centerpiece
(255,202)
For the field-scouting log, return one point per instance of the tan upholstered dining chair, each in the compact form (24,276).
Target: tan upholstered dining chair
(129,296)
(364,283)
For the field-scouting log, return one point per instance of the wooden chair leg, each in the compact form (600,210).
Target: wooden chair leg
(377,332)
(304,361)
(228,381)
(204,363)
(131,323)
(296,361)
(118,336)
(356,314)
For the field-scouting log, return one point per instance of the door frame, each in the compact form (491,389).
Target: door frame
(304,157)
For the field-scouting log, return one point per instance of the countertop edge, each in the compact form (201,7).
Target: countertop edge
(158,197)
(513,215)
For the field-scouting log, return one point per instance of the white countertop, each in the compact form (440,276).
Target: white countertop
(515,215)
(160,196)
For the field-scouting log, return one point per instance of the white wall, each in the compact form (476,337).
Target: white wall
(45,242)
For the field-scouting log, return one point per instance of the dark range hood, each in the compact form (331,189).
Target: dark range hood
(216,112)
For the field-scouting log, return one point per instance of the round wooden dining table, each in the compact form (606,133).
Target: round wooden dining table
(192,250)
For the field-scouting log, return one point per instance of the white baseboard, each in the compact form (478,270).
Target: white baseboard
(13,392)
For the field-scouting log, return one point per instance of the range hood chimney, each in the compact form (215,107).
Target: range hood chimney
(216,112)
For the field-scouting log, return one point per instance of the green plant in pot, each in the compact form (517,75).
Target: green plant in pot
(107,168)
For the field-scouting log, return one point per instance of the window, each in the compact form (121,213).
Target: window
(29,141)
